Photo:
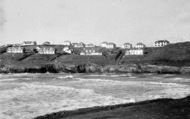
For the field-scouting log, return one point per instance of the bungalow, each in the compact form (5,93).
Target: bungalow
(15,49)
(140,45)
(161,43)
(108,45)
(29,43)
(67,50)
(104,44)
(67,43)
(78,45)
(134,51)
(46,50)
(126,46)
(91,51)
(111,45)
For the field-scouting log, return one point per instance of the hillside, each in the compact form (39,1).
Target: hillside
(172,55)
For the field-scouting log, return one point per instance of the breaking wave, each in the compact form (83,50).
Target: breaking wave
(30,98)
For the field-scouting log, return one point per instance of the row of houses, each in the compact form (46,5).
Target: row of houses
(84,51)
(109,45)
(87,49)
(38,49)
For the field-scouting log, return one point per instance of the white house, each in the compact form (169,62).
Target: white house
(111,45)
(108,45)
(46,50)
(126,46)
(90,45)
(161,43)
(29,43)
(91,51)
(104,44)
(140,45)
(67,50)
(134,51)
(78,45)
(67,43)
(15,49)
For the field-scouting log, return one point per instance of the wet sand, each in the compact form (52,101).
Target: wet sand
(154,109)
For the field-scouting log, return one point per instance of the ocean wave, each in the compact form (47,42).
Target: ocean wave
(65,77)
(31,100)
(28,100)
(8,79)
(111,75)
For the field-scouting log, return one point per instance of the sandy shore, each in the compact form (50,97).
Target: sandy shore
(154,109)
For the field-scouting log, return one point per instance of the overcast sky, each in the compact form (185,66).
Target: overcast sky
(94,21)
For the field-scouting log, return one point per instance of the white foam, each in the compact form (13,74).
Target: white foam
(8,79)
(64,77)
(31,100)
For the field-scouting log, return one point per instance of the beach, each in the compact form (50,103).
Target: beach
(26,96)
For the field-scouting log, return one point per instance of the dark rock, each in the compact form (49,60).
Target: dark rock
(159,69)
(185,70)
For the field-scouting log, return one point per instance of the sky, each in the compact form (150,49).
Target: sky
(94,21)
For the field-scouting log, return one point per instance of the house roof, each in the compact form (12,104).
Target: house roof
(110,43)
(127,44)
(15,47)
(140,44)
(46,43)
(104,42)
(46,47)
(28,42)
(67,41)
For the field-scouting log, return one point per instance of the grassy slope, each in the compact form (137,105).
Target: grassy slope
(77,59)
(174,54)
(155,109)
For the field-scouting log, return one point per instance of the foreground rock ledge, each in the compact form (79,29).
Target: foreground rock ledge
(154,109)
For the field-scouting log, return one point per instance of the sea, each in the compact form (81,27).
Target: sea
(25,96)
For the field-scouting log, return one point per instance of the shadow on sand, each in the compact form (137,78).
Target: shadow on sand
(153,109)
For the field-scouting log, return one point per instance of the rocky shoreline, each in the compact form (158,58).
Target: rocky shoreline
(94,68)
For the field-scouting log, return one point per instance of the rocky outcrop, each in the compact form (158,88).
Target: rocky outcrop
(159,69)
(185,70)
(93,68)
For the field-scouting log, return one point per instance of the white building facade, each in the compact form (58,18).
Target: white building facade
(126,46)
(78,45)
(67,50)
(140,45)
(15,49)
(91,51)
(161,43)
(108,45)
(46,50)
(134,51)
(67,43)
